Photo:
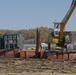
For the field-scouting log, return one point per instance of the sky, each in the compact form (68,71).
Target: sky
(30,14)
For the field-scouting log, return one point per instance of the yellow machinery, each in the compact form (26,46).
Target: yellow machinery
(58,38)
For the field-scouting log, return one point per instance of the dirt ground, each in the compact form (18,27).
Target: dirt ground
(17,66)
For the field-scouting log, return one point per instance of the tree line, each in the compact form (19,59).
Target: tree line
(29,35)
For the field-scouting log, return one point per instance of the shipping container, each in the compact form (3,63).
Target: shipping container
(13,41)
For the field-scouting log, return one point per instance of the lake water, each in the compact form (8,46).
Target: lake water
(33,45)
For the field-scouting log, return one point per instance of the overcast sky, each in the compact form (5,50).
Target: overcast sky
(27,14)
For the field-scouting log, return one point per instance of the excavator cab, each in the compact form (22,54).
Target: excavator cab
(56,28)
(54,35)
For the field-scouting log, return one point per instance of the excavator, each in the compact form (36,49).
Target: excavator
(58,38)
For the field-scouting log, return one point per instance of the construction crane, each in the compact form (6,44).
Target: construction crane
(58,38)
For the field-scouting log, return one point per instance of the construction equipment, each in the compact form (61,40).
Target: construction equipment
(59,39)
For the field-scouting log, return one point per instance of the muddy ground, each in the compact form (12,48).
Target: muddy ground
(17,65)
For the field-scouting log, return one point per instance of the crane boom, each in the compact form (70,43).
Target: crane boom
(66,18)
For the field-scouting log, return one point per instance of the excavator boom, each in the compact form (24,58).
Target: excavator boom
(66,18)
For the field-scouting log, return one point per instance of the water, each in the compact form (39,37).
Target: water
(30,45)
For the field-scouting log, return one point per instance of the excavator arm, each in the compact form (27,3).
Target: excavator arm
(66,18)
